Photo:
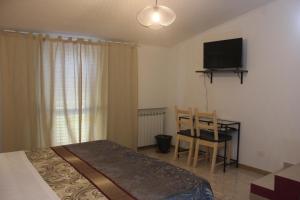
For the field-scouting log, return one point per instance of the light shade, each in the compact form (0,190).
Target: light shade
(156,17)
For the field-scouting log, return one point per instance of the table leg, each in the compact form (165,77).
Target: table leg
(238,145)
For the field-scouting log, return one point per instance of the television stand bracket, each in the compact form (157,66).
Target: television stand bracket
(210,73)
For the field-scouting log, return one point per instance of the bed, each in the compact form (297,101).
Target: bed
(97,170)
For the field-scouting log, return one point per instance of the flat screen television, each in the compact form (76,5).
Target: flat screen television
(223,54)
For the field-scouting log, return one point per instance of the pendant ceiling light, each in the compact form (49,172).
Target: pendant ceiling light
(156,17)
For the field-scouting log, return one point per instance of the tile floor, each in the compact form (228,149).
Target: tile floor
(232,185)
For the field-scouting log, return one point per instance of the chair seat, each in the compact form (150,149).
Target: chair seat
(209,136)
(185,133)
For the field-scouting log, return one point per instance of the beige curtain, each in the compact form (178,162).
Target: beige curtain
(122,95)
(19,62)
(73,80)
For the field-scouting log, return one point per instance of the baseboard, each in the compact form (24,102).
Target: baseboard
(260,171)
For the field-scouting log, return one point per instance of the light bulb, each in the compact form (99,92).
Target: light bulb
(156,17)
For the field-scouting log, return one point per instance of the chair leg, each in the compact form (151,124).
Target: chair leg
(210,154)
(196,154)
(214,158)
(176,148)
(207,155)
(229,151)
(225,157)
(191,148)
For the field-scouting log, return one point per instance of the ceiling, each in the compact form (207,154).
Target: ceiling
(116,19)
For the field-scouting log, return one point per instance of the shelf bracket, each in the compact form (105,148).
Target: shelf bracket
(209,73)
(210,76)
(241,76)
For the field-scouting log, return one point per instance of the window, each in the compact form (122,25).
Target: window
(71,75)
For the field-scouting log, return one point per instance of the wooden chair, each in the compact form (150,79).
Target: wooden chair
(185,131)
(209,136)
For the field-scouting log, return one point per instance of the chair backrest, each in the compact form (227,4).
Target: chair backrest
(201,124)
(184,119)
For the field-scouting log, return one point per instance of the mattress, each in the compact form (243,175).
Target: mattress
(103,170)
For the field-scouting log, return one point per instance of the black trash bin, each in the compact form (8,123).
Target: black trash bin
(163,143)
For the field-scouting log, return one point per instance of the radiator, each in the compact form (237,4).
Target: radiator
(151,122)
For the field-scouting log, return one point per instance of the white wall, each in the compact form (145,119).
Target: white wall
(267,104)
(153,66)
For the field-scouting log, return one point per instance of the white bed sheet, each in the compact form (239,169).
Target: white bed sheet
(19,180)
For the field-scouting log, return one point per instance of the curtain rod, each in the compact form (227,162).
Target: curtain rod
(73,38)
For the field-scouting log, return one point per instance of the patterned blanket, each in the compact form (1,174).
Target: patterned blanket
(142,177)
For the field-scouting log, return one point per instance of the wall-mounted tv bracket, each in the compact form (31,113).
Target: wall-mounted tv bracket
(210,72)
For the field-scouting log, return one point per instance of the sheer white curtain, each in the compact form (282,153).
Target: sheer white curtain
(73,91)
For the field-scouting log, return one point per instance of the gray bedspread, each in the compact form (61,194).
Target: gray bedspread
(143,177)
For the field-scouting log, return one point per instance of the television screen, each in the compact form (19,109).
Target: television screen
(223,54)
